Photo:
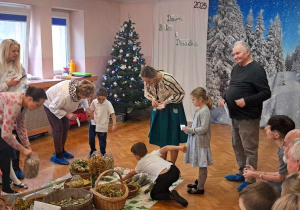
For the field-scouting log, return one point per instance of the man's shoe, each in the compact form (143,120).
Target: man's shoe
(195,191)
(62,161)
(66,155)
(242,186)
(235,178)
(178,198)
(194,185)
(19,174)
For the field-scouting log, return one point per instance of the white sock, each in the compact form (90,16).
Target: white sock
(13,176)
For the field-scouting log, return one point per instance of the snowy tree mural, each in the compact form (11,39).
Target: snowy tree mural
(270,28)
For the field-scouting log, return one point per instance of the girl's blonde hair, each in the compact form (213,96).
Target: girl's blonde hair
(289,201)
(86,88)
(200,92)
(4,50)
(291,184)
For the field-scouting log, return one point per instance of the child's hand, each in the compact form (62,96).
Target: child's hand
(183,149)
(114,127)
(184,129)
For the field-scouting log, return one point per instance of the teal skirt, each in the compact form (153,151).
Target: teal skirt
(165,126)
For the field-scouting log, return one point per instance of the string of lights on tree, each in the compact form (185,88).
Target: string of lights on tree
(122,78)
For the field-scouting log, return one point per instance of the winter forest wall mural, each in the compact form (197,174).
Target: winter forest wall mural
(272,30)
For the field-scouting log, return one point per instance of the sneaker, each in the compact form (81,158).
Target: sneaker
(235,178)
(19,174)
(194,185)
(178,198)
(62,161)
(21,186)
(66,155)
(195,191)
(242,186)
(91,154)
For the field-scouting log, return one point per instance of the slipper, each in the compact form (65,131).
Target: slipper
(21,186)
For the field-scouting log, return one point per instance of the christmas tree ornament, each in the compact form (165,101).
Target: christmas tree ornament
(130,86)
(131,78)
(117,36)
(135,57)
(125,25)
(128,67)
(121,51)
(115,83)
(124,43)
(123,95)
(134,60)
(134,47)
(113,72)
(125,60)
(123,67)
(110,85)
(125,34)
(103,83)
(114,60)
(115,96)
(107,70)
(112,49)
(127,55)
(110,62)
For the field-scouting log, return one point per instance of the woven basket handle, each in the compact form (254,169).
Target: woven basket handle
(105,172)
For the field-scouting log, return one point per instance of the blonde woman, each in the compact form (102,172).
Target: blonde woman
(291,184)
(12,79)
(63,99)
(288,202)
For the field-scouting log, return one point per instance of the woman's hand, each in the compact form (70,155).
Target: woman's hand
(13,82)
(89,113)
(154,103)
(27,152)
(162,103)
(71,116)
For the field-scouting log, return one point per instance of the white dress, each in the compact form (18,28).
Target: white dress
(198,143)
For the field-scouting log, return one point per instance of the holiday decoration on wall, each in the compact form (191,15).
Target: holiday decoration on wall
(123,70)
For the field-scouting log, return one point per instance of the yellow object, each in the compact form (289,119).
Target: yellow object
(72,67)
(68,77)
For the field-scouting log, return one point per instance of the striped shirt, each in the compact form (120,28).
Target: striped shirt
(168,90)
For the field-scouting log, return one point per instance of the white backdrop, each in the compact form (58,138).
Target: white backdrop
(187,23)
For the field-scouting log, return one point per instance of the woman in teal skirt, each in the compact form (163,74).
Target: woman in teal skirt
(168,114)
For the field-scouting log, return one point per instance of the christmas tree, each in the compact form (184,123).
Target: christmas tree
(122,80)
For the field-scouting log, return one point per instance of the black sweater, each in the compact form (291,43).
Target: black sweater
(250,83)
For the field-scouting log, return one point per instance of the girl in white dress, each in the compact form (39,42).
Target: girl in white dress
(198,143)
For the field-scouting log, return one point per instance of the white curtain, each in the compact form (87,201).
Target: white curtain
(186,63)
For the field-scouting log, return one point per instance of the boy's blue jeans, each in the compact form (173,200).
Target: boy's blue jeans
(101,137)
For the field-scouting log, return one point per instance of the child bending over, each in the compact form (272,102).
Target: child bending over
(161,172)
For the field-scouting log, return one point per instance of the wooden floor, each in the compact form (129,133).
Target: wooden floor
(219,193)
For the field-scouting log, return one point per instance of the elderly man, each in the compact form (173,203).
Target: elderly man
(290,136)
(293,160)
(244,97)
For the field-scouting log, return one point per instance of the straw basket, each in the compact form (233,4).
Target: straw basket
(106,203)
(133,189)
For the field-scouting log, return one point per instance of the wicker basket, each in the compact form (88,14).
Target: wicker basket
(106,203)
(132,193)
(59,195)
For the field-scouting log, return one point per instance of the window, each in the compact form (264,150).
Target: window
(60,40)
(14,24)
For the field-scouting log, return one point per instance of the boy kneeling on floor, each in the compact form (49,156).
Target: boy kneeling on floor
(163,173)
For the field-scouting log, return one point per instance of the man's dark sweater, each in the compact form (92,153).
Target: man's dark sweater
(250,83)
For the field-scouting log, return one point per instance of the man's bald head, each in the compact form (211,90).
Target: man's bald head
(290,136)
